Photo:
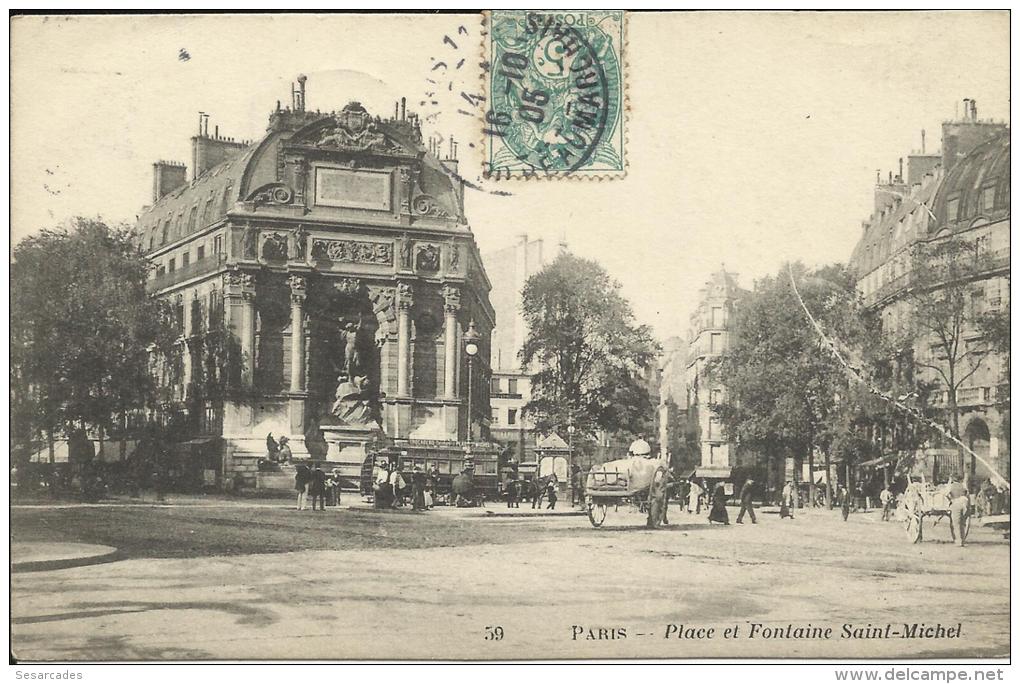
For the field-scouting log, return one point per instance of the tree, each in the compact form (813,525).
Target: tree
(589,353)
(941,280)
(83,328)
(994,326)
(782,384)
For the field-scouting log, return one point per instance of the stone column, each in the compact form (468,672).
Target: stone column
(297,333)
(246,331)
(452,305)
(404,304)
(296,404)
(186,332)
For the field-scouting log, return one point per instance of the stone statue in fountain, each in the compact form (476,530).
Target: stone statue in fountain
(353,404)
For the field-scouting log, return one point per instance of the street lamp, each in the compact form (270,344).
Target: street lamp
(471,338)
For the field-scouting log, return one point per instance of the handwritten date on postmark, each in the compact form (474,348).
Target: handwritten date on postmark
(556,94)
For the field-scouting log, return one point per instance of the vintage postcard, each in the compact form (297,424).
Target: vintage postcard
(511,335)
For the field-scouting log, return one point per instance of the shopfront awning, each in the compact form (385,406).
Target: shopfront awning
(714,473)
(880,462)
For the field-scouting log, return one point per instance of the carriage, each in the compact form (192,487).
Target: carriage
(640,481)
(925,500)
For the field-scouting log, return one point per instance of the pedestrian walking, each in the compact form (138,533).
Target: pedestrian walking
(844,502)
(694,495)
(380,484)
(577,486)
(959,502)
(550,492)
(888,500)
(418,480)
(302,481)
(785,501)
(746,505)
(317,488)
(430,492)
(718,511)
(397,485)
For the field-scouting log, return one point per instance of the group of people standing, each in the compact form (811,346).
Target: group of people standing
(389,486)
(313,483)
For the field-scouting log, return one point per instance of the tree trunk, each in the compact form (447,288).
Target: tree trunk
(795,477)
(811,475)
(828,480)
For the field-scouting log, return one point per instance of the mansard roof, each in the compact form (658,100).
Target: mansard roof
(352,131)
(986,167)
(908,219)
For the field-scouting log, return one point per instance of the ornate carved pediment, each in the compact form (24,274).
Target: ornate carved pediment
(271,193)
(353,129)
(426,205)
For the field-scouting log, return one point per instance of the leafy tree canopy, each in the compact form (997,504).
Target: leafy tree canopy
(589,353)
(82,326)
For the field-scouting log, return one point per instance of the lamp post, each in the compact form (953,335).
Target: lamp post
(471,338)
(570,446)
(570,440)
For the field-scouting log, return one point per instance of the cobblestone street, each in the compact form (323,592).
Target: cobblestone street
(363,584)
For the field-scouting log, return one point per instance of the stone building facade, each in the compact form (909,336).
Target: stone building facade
(964,192)
(331,267)
(709,336)
(510,388)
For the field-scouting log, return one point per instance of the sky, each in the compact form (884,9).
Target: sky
(752,138)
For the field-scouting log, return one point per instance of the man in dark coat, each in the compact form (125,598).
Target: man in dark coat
(302,480)
(317,488)
(746,505)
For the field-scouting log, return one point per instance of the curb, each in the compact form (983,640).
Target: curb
(64,563)
(492,514)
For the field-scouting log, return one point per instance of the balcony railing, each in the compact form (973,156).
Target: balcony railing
(967,396)
(195,268)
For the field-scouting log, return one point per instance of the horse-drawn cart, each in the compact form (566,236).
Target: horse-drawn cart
(925,500)
(639,481)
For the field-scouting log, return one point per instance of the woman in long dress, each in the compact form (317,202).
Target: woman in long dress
(418,489)
(718,511)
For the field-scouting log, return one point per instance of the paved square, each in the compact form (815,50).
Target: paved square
(246,581)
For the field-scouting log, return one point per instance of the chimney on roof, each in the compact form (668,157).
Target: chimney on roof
(900,178)
(922,141)
(299,94)
(973,111)
(207,152)
(167,177)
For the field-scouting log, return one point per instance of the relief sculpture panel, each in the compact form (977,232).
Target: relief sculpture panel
(353,252)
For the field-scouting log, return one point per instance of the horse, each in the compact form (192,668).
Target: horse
(462,491)
(536,489)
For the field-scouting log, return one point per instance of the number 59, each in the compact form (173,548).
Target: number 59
(493,633)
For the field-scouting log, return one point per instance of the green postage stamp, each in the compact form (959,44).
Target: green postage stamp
(556,94)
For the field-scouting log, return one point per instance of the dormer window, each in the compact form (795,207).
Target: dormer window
(988,198)
(953,209)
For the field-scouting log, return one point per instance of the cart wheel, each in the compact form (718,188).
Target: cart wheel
(912,525)
(597,513)
(657,498)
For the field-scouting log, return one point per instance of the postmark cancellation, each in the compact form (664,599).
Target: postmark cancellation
(555,85)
